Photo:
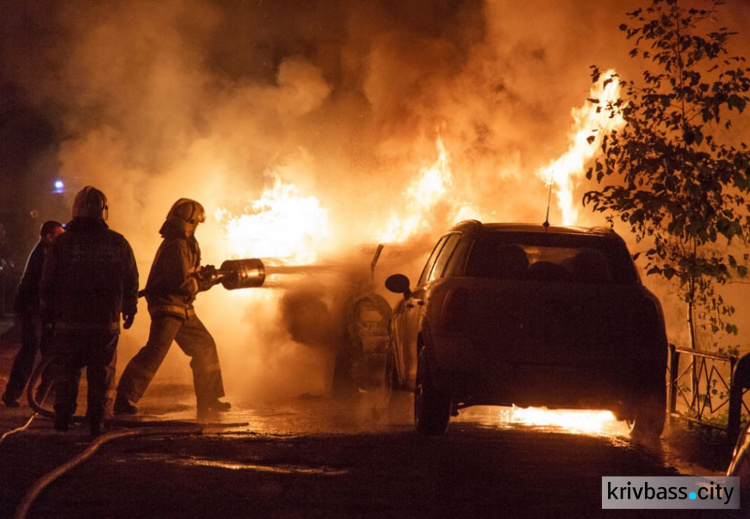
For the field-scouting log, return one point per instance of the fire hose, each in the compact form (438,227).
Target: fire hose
(149,428)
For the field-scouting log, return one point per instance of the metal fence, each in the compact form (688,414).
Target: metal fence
(705,390)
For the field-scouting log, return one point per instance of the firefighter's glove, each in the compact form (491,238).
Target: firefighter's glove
(207,277)
(128,317)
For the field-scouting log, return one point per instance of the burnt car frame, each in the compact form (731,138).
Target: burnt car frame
(528,315)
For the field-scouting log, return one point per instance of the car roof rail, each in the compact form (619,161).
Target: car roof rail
(603,229)
(466,223)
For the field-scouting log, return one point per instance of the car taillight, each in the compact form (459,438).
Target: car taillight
(455,311)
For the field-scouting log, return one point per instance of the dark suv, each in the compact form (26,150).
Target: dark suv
(530,315)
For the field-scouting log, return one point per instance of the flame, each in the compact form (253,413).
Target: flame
(574,421)
(591,422)
(421,198)
(280,224)
(564,172)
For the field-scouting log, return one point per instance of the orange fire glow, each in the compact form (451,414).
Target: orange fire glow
(281,224)
(591,422)
(284,224)
(570,420)
(427,190)
(564,172)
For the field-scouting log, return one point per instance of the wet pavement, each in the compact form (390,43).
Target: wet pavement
(324,457)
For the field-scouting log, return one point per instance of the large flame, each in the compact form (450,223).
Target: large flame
(563,174)
(280,224)
(420,198)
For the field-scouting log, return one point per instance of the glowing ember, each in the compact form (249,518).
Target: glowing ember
(564,172)
(280,224)
(420,199)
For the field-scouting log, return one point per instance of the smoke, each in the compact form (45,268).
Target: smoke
(208,99)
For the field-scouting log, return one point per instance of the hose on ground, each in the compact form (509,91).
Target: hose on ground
(18,430)
(28,499)
(32,401)
(138,428)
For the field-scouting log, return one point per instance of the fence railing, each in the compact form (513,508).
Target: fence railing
(705,386)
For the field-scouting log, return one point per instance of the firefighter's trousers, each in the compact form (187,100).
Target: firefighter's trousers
(33,340)
(95,351)
(194,339)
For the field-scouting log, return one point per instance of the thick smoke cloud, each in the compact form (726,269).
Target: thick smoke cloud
(345,99)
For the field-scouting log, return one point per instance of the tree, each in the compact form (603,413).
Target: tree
(672,171)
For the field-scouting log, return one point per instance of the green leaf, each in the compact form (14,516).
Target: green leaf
(673,174)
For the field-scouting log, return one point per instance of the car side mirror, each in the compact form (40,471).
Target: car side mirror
(399,284)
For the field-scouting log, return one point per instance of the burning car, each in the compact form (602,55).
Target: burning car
(338,309)
(529,315)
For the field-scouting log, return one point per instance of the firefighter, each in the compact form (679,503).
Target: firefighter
(35,335)
(175,279)
(90,278)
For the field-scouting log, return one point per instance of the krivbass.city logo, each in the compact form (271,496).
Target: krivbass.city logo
(687,492)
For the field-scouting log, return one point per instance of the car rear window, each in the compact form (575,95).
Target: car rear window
(551,257)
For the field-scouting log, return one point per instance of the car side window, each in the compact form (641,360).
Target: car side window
(431,261)
(457,264)
(444,256)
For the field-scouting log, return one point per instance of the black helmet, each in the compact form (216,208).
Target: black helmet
(90,203)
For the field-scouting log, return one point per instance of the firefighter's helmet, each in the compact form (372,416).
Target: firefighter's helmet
(90,203)
(185,215)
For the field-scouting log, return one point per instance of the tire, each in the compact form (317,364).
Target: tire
(432,408)
(647,418)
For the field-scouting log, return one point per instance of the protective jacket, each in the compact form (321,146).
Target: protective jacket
(172,283)
(27,297)
(90,278)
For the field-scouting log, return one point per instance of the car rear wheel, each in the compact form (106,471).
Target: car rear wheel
(646,421)
(432,408)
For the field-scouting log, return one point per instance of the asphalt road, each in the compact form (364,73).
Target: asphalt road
(321,457)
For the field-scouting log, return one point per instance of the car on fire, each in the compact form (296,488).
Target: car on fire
(528,315)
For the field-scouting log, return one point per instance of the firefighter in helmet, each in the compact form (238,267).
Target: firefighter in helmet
(89,280)
(35,335)
(175,279)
